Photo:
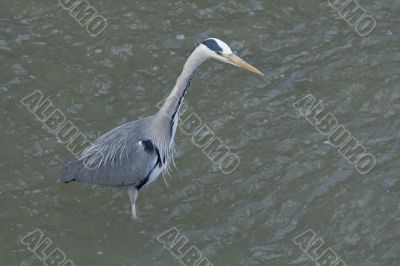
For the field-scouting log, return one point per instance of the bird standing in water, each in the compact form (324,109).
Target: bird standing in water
(134,154)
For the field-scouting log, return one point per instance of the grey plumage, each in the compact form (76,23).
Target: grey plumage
(117,158)
(135,153)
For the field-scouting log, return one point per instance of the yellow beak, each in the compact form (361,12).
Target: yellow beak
(237,61)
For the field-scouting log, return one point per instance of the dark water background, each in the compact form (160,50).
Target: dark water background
(289,179)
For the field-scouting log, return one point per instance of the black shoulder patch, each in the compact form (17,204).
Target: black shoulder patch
(213,45)
(148,146)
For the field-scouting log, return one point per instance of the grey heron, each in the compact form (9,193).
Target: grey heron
(134,154)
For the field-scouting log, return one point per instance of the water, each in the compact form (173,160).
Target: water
(290,179)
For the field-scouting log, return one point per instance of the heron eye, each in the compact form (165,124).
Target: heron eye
(219,53)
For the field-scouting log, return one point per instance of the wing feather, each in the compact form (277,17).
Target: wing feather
(117,158)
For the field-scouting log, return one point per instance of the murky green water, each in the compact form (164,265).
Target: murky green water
(290,179)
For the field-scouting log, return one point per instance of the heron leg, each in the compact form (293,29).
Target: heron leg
(133,193)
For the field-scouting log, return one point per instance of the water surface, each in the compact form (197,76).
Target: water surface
(289,179)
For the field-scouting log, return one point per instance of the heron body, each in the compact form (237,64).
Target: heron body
(134,154)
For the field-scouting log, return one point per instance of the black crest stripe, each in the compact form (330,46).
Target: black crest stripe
(213,45)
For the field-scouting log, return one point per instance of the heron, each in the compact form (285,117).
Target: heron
(134,154)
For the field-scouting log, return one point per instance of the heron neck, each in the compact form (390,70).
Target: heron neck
(172,104)
(166,119)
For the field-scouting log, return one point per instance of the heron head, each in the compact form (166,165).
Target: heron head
(220,51)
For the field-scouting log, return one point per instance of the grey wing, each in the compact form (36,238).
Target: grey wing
(122,156)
